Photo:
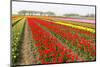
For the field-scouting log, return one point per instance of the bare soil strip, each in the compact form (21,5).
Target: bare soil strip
(26,50)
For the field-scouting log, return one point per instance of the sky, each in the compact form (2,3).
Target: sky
(58,9)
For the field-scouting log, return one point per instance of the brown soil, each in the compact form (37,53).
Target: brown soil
(26,50)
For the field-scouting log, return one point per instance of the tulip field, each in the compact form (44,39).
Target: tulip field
(50,40)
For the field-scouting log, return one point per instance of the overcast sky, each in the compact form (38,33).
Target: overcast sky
(59,9)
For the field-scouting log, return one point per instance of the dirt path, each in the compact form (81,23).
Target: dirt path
(26,50)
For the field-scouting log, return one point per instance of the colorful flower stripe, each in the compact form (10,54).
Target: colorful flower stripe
(76,26)
(83,44)
(74,29)
(50,49)
(78,20)
(53,19)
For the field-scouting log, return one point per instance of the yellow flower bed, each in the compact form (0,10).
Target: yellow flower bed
(76,26)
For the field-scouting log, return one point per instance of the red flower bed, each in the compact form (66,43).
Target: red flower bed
(81,42)
(49,48)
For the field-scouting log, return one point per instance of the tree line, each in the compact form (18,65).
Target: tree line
(49,13)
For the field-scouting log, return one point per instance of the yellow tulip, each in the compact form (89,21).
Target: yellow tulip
(76,26)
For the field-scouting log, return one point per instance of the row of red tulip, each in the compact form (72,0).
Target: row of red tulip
(81,42)
(49,48)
